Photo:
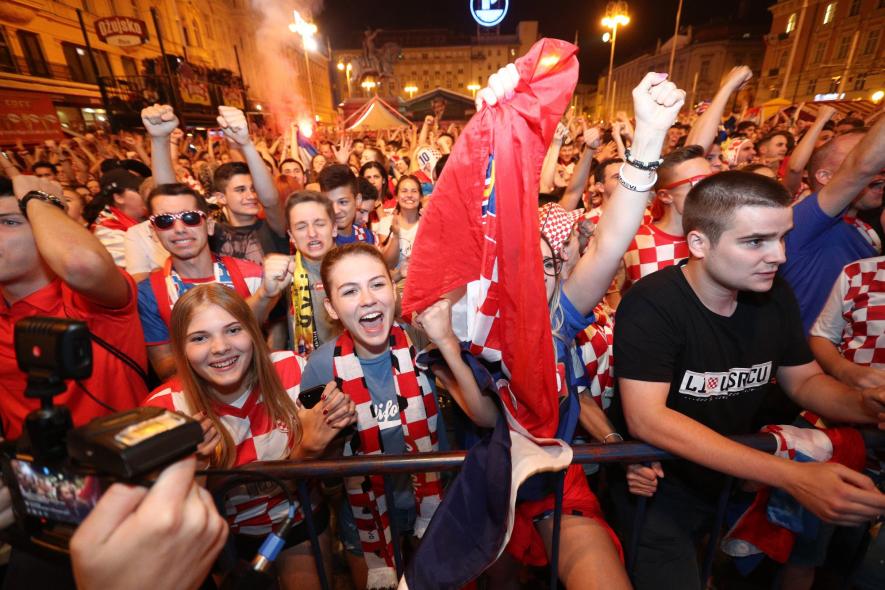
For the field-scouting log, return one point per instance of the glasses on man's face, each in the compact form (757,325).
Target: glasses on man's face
(689,181)
(167,220)
(552,265)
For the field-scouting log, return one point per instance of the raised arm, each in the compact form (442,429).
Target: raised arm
(160,121)
(800,156)
(436,321)
(864,162)
(548,168)
(235,127)
(571,199)
(705,129)
(69,249)
(656,103)
(10,170)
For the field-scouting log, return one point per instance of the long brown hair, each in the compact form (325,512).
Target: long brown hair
(261,373)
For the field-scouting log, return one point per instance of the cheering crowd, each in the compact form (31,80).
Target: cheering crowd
(704,276)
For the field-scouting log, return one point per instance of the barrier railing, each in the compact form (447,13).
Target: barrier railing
(625,452)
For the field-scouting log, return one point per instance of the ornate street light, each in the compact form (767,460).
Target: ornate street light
(616,15)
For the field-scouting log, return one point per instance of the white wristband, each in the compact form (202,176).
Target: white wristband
(638,188)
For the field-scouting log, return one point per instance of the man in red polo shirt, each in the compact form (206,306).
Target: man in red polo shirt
(51,266)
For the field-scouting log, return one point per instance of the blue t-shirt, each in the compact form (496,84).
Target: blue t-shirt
(155,329)
(573,323)
(818,247)
(378,373)
(340,240)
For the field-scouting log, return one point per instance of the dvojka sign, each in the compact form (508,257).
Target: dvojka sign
(121,31)
(488,13)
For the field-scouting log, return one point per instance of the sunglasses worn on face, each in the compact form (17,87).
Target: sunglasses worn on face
(167,220)
(690,181)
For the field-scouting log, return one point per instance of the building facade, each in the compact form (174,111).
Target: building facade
(824,50)
(45,63)
(418,61)
(704,56)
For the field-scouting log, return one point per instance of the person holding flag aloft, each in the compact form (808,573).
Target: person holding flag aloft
(502,315)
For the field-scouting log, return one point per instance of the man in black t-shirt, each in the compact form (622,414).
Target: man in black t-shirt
(697,347)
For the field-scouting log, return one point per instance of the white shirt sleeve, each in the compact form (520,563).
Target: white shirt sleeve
(142,252)
(830,322)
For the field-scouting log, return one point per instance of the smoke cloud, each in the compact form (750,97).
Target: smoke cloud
(281,62)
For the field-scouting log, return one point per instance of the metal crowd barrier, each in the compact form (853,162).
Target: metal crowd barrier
(625,452)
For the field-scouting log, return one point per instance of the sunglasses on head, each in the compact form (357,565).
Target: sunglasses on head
(167,220)
(690,181)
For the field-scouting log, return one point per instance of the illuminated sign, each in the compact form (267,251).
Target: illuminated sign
(122,31)
(488,13)
(830,96)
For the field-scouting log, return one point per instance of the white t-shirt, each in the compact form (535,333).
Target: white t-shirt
(143,250)
(406,241)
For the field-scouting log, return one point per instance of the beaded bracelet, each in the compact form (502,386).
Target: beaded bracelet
(647,166)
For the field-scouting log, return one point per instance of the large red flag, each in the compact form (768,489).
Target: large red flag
(481,232)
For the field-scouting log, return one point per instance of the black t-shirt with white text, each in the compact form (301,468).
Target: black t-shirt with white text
(720,369)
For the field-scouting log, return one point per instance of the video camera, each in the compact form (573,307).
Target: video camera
(56,473)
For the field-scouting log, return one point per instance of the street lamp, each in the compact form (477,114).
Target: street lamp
(369,85)
(615,16)
(411,89)
(473,87)
(308,32)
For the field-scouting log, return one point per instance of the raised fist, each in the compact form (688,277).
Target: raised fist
(657,102)
(502,85)
(436,321)
(159,120)
(825,113)
(561,134)
(23,184)
(278,270)
(233,122)
(738,77)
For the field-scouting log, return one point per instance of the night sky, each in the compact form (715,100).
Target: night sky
(344,21)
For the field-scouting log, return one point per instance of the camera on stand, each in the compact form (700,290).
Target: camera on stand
(56,473)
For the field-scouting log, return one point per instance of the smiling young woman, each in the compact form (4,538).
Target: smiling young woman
(246,399)
(373,359)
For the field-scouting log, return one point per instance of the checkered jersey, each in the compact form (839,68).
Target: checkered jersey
(250,509)
(595,346)
(651,250)
(853,317)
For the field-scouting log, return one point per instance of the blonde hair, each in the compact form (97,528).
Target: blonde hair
(261,372)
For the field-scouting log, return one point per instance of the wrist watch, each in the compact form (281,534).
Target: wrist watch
(41,196)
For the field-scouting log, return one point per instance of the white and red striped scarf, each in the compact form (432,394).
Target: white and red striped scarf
(866,230)
(418,415)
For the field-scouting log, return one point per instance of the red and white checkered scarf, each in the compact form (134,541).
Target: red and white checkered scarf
(418,414)
(360,233)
